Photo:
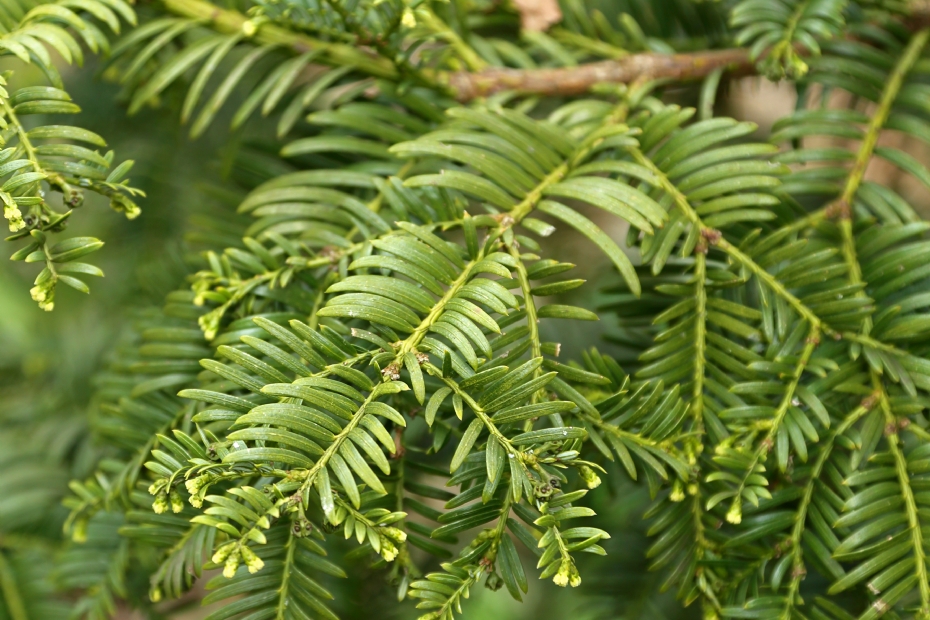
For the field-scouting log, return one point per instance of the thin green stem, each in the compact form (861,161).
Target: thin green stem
(11,591)
(678,198)
(696,443)
(525,207)
(700,342)
(48,260)
(532,320)
(798,570)
(918,432)
(714,237)
(499,529)
(281,609)
(844,207)
(808,221)
(697,514)
(563,548)
(411,343)
(876,124)
(400,469)
(375,203)
(52,178)
(21,135)
(872,342)
(907,493)
(607,427)
(774,285)
(312,319)
(528,204)
(333,448)
(792,25)
(481,415)
(474,575)
(531,200)
(469,56)
(813,339)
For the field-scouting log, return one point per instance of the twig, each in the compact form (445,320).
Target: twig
(577,80)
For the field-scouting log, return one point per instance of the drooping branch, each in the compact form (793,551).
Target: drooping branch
(465,85)
(468,85)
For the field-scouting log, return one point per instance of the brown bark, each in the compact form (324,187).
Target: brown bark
(577,80)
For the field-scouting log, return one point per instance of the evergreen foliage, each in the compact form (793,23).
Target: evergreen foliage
(364,350)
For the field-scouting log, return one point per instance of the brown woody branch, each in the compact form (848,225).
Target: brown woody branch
(577,80)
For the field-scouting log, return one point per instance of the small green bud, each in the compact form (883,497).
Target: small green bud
(574,579)
(409,19)
(122,204)
(388,550)
(735,514)
(210,323)
(44,294)
(15,216)
(193,485)
(252,561)
(79,531)
(562,577)
(223,552)
(160,505)
(232,563)
(590,477)
(394,533)
(177,504)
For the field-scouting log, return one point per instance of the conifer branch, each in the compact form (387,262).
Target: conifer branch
(716,239)
(381,241)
